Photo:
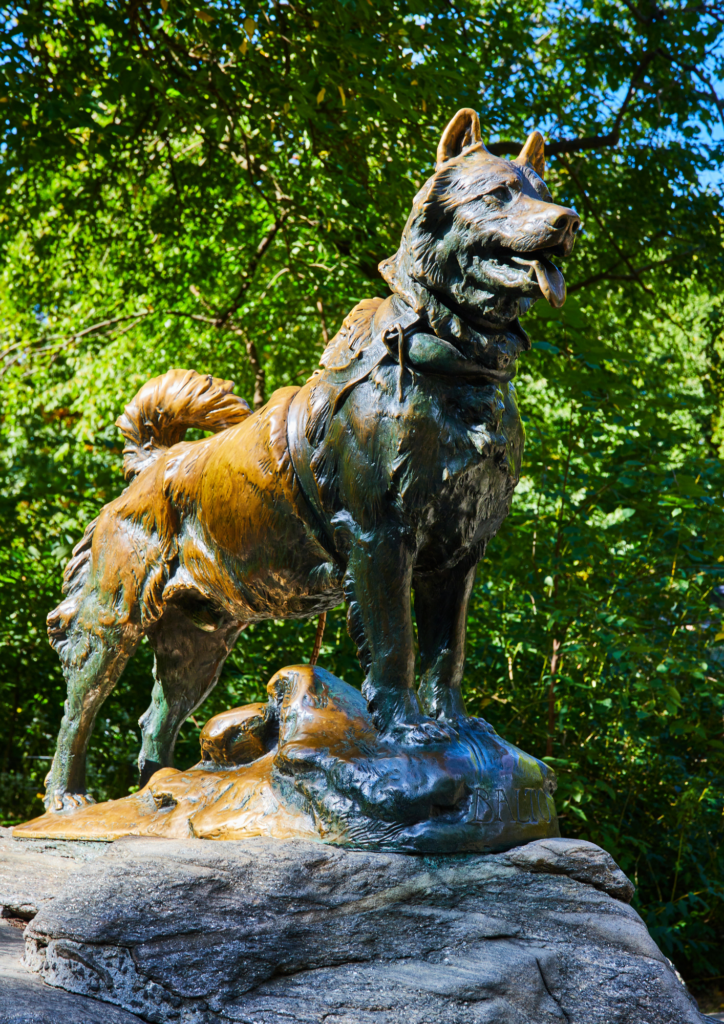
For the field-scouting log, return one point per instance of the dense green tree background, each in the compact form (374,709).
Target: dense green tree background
(211,185)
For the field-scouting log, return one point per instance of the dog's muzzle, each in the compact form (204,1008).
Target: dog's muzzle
(558,231)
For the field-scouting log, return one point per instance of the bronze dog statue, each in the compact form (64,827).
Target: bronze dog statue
(388,472)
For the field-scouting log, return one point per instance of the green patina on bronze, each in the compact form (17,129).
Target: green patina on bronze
(383,477)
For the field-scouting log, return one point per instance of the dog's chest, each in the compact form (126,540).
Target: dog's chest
(436,455)
(457,463)
(464,433)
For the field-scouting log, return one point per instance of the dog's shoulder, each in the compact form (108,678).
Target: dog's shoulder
(349,360)
(353,336)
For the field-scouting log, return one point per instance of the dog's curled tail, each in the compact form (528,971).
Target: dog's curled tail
(166,407)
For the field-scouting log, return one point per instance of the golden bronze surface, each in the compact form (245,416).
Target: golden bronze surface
(385,475)
(322,771)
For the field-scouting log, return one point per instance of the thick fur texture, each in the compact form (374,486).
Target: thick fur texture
(166,407)
(387,473)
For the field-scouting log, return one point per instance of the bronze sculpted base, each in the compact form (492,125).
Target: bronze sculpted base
(310,764)
(383,477)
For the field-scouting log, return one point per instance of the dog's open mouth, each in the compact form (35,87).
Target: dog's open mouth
(550,279)
(509,269)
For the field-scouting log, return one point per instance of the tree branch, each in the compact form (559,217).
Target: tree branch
(611,138)
(256,259)
(251,349)
(65,342)
(558,145)
(259,375)
(693,69)
(608,275)
(109,323)
(594,213)
(323,322)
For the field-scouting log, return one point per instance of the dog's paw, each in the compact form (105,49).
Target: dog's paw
(480,725)
(57,803)
(420,732)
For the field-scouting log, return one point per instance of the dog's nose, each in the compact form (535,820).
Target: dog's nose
(568,224)
(569,221)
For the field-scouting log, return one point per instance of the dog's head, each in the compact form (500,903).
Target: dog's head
(484,231)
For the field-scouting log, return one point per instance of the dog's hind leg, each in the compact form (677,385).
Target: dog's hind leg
(190,652)
(92,663)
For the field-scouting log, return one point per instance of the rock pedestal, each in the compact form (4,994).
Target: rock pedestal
(275,932)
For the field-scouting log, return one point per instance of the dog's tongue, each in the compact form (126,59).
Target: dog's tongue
(550,279)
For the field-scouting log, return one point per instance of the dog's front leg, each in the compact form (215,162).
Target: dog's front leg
(378,588)
(441,608)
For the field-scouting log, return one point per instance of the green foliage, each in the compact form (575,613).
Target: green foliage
(610,558)
(213,187)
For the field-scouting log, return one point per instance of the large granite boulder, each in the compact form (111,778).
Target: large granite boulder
(269,932)
(31,875)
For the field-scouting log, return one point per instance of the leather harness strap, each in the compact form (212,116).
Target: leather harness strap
(301,451)
(388,341)
(300,454)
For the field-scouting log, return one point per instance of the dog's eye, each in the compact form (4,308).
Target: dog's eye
(502,193)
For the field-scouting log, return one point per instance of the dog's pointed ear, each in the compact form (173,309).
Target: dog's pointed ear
(462,133)
(533,153)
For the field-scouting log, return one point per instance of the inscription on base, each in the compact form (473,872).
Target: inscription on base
(518,806)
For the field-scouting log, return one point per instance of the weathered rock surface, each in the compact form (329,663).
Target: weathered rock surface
(24,999)
(32,872)
(268,932)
